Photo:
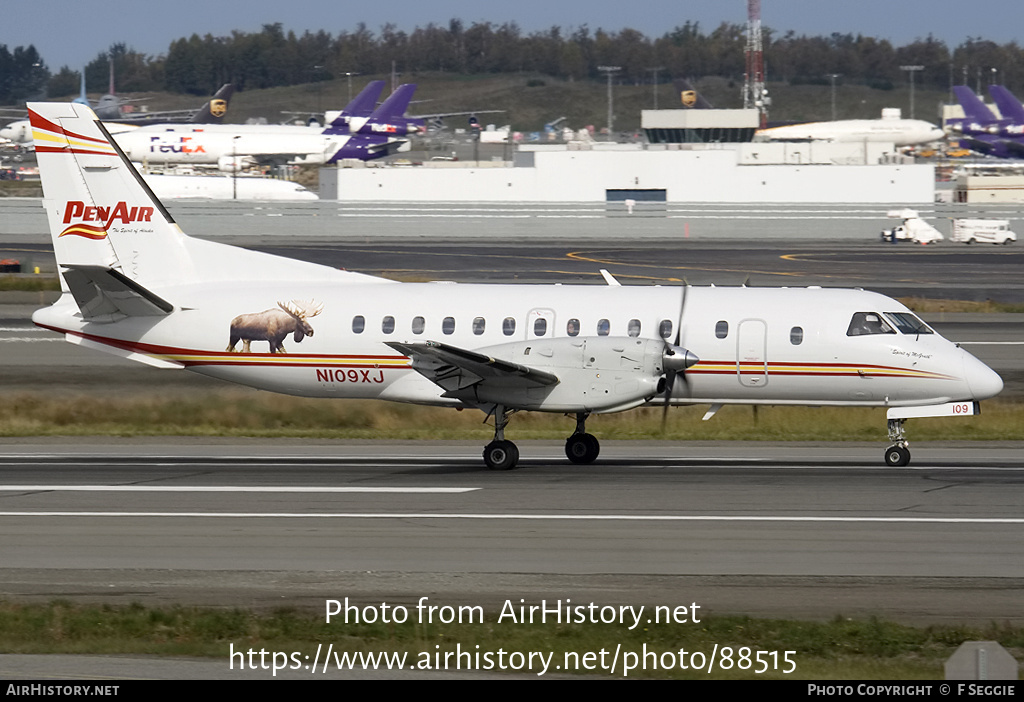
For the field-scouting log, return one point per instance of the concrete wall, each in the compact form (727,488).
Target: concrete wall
(712,175)
(995,189)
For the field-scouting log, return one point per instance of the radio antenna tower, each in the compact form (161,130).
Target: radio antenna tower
(755,95)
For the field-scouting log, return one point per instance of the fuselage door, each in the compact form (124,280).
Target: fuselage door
(751,353)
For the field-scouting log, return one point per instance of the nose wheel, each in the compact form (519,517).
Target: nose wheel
(898,454)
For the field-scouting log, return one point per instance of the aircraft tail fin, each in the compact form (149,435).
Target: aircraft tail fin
(213,111)
(100,211)
(689,96)
(361,107)
(974,108)
(1009,106)
(396,104)
(365,102)
(82,98)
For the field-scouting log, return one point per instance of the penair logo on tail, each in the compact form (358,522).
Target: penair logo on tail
(102,217)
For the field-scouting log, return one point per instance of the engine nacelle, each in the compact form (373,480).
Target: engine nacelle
(234,164)
(595,373)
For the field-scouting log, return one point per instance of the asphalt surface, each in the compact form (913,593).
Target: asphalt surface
(765,529)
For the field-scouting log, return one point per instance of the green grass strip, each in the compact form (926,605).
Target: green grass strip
(838,649)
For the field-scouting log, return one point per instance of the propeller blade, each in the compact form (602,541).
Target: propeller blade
(675,360)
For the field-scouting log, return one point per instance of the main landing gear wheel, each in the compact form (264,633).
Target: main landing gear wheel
(897,456)
(582,448)
(501,455)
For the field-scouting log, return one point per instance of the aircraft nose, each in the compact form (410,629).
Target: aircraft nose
(982,380)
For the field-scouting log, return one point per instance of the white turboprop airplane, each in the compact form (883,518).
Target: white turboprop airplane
(134,285)
(891,128)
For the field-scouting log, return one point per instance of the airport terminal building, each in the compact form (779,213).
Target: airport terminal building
(692,156)
(594,172)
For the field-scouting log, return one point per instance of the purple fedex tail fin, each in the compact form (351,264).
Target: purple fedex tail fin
(396,104)
(365,102)
(390,119)
(974,109)
(361,106)
(1009,106)
(381,134)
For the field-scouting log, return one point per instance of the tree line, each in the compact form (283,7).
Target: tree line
(272,57)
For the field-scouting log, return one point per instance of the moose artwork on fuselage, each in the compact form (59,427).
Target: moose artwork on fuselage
(274,325)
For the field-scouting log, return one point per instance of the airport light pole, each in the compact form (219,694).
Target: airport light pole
(912,70)
(655,71)
(609,71)
(832,77)
(349,74)
(234,167)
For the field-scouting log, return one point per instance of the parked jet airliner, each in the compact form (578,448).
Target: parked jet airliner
(134,285)
(891,128)
(232,147)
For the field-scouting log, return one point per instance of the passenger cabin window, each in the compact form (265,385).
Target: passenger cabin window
(722,329)
(508,326)
(478,325)
(864,323)
(796,336)
(387,325)
(665,328)
(448,325)
(358,324)
(572,327)
(418,325)
(604,327)
(540,326)
(908,323)
(633,328)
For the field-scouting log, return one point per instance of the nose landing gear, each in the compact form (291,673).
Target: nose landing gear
(898,454)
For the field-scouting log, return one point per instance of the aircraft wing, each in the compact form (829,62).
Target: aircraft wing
(457,370)
(439,115)
(156,117)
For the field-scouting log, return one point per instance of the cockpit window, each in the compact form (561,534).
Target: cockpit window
(908,323)
(868,323)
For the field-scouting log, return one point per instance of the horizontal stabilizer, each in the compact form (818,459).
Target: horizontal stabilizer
(455,369)
(104,294)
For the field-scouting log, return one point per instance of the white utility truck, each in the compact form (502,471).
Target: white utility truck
(982,231)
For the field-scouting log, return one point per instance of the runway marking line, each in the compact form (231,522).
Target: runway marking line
(230,488)
(531,517)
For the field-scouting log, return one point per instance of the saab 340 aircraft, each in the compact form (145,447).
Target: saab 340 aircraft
(134,285)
